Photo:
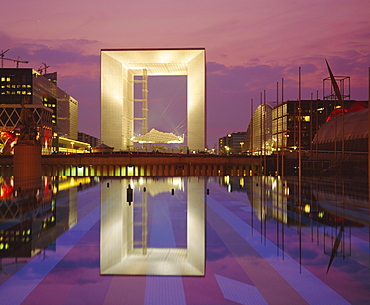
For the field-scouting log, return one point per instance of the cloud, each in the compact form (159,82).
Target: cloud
(58,56)
(230,88)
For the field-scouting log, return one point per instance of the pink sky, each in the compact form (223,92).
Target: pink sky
(250,45)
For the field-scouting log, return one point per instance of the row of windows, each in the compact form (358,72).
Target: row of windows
(16,78)
(23,92)
(16,239)
(12,232)
(49,105)
(15,86)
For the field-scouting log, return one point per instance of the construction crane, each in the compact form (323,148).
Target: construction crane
(2,57)
(43,69)
(17,61)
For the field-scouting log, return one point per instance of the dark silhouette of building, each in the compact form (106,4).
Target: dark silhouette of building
(232,143)
(84,137)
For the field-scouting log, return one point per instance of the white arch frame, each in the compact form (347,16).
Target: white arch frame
(118,69)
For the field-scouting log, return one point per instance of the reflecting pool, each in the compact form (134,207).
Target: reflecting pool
(185,240)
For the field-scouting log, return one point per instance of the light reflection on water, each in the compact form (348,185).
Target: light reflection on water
(138,234)
(236,239)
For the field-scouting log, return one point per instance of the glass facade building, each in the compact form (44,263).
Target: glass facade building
(258,138)
(277,128)
(19,85)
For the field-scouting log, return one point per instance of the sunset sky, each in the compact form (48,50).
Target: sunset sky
(250,46)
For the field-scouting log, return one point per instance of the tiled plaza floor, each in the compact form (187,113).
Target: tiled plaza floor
(253,240)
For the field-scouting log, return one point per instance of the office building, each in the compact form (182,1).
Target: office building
(232,143)
(40,92)
(278,128)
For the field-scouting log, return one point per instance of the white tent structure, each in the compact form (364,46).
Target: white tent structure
(155,136)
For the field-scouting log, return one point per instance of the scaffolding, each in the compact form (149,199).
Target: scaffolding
(144,102)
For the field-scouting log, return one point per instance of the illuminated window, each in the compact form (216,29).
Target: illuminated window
(29,92)
(18,92)
(24,86)
(28,86)
(3,79)
(24,92)
(13,86)
(8,79)
(3,86)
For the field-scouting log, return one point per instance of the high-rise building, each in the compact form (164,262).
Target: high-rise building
(27,86)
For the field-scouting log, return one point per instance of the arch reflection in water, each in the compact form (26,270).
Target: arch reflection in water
(140,238)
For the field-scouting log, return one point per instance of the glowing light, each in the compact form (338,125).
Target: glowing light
(307,208)
(118,69)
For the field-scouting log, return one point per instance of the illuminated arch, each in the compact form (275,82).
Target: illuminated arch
(118,69)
